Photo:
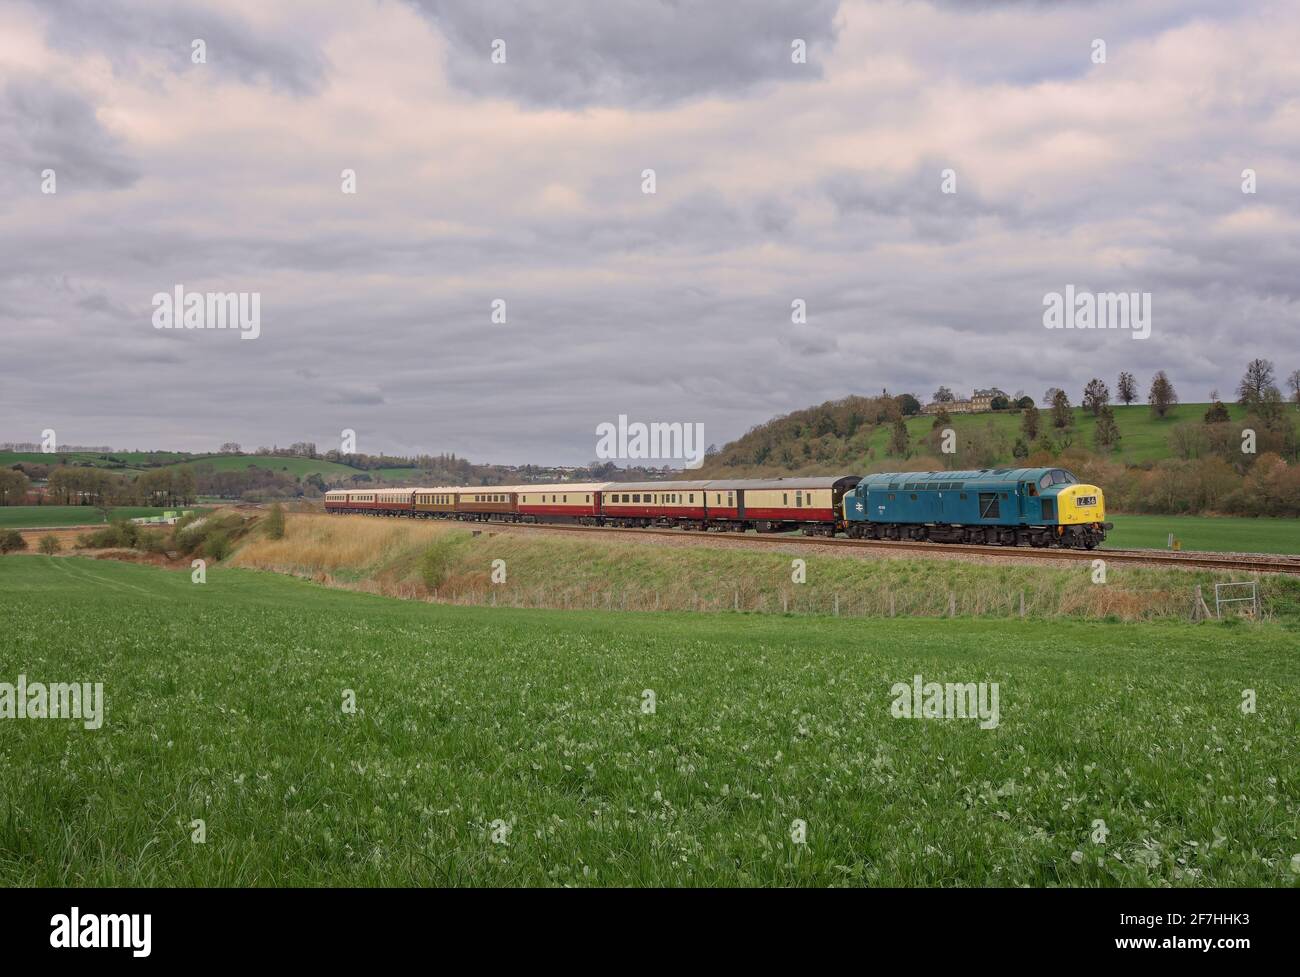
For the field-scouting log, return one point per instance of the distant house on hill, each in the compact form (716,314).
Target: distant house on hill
(983,399)
(980,401)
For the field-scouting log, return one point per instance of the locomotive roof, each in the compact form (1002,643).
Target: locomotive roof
(982,474)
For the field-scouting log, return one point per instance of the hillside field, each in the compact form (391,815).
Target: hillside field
(32,516)
(134,462)
(493,746)
(1144,437)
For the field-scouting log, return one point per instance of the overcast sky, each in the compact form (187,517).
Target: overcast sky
(522,181)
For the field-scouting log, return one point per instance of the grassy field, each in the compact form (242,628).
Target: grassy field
(300,467)
(133,462)
(30,516)
(130,462)
(1145,437)
(1218,534)
(505,747)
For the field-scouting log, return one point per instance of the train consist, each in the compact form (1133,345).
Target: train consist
(1007,506)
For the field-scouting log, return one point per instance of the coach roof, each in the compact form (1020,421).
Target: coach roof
(656,486)
(791,482)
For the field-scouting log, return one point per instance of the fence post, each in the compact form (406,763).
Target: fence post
(837,605)
(952,604)
(891,603)
(785,603)
(735,600)
(1022,603)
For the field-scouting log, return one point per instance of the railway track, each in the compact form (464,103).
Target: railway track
(1199,561)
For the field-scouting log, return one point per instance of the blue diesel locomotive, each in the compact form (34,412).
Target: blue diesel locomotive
(1007,506)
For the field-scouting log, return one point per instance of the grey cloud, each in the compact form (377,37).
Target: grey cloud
(576,53)
(44,125)
(141,36)
(673,307)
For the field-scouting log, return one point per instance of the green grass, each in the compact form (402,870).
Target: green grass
(301,467)
(224,703)
(130,462)
(1144,436)
(136,462)
(1218,534)
(53,516)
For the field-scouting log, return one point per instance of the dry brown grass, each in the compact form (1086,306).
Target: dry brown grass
(384,556)
(328,544)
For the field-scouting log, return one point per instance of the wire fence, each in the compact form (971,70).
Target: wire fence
(1096,603)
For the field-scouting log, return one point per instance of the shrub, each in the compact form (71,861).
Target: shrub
(152,542)
(49,544)
(11,540)
(437,560)
(217,545)
(275,522)
(116,535)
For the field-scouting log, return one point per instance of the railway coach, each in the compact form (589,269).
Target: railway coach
(365,501)
(641,504)
(1006,506)
(773,505)
(481,503)
(578,502)
(438,502)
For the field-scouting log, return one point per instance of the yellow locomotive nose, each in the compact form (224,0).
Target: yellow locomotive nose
(1080,504)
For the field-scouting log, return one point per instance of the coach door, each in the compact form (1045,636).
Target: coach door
(740,503)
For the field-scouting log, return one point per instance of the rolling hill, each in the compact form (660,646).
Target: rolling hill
(852,435)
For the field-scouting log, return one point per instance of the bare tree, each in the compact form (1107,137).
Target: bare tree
(1127,388)
(1107,434)
(1095,397)
(1255,383)
(1162,395)
(1062,415)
